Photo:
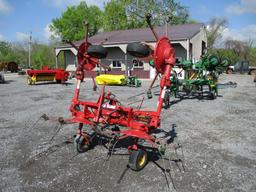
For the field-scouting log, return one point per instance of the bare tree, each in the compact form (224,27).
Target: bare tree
(214,30)
(240,48)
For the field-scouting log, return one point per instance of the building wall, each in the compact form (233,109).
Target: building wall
(180,51)
(197,44)
(70,58)
(117,54)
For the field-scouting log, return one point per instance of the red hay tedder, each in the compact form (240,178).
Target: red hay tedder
(46,74)
(111,119)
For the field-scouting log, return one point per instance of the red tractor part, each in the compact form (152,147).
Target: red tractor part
(108,111)
(46,74)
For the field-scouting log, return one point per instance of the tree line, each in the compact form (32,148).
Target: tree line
(119,15)
(41,54)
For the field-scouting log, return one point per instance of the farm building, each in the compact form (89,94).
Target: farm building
(189,41)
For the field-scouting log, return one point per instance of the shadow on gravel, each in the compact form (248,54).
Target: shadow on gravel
(8,81)
(52,83)
(190,97)
(159,159)
(116,147)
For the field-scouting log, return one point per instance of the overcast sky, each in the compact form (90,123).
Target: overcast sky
(19,17)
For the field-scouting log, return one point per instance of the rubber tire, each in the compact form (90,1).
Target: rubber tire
(29,81)
(80,146)
(212,95)
(138,50)
(135,157)
(167,99)
(229,71)
(97,51)
(2,79)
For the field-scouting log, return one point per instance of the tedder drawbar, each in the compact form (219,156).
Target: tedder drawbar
(109,118)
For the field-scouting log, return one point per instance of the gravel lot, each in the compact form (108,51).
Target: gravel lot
(218,137)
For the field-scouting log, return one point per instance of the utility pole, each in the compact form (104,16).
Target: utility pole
(166,28)
(29,49)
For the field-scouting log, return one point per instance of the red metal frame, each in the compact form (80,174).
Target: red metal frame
(135,123)
(60,74)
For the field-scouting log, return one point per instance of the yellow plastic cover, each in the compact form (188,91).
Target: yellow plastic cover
(110,79)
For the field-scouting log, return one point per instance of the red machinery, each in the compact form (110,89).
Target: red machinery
(108,117)
(46,74)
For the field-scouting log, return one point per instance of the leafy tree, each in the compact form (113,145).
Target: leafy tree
(252,56)
(114,16)
(21,51)
(228,53)
(214,30)
(117,14)
(162,11)
(6,52)
(42,55)
(71,23)
(240,48)
(127,14)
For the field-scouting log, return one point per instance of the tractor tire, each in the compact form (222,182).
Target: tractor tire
(212,95)
(80,144)
(138,159)
(138,50)
(97,51)
(229,71)
(2,78)
(167,99)
(29,80)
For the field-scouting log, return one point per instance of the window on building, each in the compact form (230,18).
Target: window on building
(178,59)
(138,64)
(116,64)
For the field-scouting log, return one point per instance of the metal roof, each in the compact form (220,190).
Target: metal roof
(175,32)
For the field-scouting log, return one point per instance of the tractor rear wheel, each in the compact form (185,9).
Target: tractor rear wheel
(138,50)
(212,94)
(81,144)
(97,51)
(138,159)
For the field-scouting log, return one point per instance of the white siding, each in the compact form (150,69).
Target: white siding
(197,44)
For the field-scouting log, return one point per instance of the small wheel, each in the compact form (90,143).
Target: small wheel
(81,143)
(29,80)
(97,51)
(138,159)
(138,50)
(167,100)
(229,71)
(212,94)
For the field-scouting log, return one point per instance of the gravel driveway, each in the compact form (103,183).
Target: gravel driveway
(218,138)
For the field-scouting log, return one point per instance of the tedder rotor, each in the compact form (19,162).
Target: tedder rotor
(109,118)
